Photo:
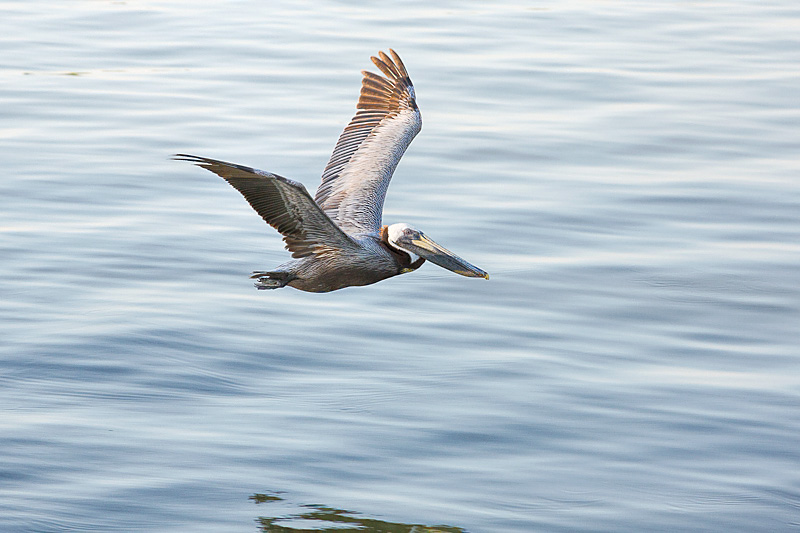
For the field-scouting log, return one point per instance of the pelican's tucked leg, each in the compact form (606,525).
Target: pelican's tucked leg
(271,280)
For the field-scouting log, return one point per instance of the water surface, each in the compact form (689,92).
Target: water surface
(626,171)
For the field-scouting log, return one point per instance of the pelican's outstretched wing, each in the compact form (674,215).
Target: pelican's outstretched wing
(355,181)
(284,204)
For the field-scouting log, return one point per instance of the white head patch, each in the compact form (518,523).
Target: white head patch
(395,232)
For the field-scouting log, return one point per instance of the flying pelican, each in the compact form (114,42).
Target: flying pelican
(336,238)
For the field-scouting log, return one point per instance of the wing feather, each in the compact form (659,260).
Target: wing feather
(356,178)
(284,204)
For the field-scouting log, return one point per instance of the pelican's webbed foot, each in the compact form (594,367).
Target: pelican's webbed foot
(271,280)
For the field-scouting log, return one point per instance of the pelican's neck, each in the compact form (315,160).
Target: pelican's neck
(384,237)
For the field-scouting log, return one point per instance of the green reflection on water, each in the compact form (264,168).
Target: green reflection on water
(336,521)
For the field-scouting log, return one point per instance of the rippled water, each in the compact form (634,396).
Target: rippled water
(627,172)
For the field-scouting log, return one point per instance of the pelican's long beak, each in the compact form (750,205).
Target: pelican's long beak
(428,249)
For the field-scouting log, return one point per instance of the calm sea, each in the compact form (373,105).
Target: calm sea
(627,172)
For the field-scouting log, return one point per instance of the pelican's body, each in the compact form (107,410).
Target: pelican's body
(371,262)
(336,238)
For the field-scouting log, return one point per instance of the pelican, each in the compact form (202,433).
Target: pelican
(337,238)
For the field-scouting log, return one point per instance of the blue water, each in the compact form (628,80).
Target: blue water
(627,172)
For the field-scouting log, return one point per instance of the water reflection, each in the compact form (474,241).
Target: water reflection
(315,517)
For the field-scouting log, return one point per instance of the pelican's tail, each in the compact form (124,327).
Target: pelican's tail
(271,280)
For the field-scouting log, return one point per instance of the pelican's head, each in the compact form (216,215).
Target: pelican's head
(418,245)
